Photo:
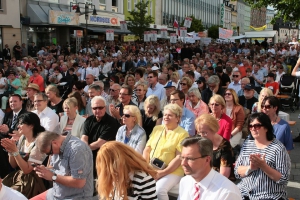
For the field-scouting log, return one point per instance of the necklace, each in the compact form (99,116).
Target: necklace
(274,122)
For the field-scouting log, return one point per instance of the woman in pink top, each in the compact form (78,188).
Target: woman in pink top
(195,104)
(217,105)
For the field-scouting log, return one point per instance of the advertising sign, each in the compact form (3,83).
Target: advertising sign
(63,18)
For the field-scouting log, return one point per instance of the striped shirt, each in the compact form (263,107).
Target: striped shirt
(257,185)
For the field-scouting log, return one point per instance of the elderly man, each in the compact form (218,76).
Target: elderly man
(195,104)
(203,182)
(31,89)
(170,87)
(113,97)
(213,83)
(102,93)
(99,127)
(248,99)
(163,79)
(155,87)
(94,90)
(188,118)
(71,169)
(49,119)
(236,81)
(244,82)
(89,81)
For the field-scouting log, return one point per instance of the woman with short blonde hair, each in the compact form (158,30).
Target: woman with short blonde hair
(121,169)
(265,92)
(151,114)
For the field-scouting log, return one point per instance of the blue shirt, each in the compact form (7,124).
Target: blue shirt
(282,131)
(157,90)
(187,121)
(260,76)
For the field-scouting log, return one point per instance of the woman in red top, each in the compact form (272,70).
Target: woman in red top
(217,105)
(37,79)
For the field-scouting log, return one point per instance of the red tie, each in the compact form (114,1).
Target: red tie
(196,192)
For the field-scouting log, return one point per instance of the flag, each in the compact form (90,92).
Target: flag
(176,25)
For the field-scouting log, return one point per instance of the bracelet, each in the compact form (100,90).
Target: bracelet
(14,154)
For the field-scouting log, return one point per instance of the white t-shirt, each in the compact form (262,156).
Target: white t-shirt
(2,82)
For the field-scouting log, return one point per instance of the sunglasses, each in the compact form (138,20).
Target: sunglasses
(214,104)
(182,83)
(51,150)
(255,126)
(235,76)
(127,115)
(113,90)
(98,108)
(227,94)
(150,77)
(266,106)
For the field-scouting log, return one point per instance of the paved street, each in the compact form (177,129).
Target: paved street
(294,183)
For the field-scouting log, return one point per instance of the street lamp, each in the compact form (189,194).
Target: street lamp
(86,14)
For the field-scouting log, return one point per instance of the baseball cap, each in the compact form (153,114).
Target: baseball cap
(249,86)
(170,84)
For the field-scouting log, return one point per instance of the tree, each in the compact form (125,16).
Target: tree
(288,10)
(213,31)
(139,21)
(195,26)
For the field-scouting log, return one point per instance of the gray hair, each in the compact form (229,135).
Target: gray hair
(98,98)
(44,139)
(195,91)
(95,87)
(43,95)
(100,83)
(214,79)
(205,146)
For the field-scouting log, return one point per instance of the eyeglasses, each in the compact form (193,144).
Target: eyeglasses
(98,108)
(182,83)
(122,94)
(214,104)
(150,77)
(227,94)
(127,115)
(51,150)
(235,76)
(255,126)
(139,90)
(113,90)
(191,159)
(266,106)
(37,101)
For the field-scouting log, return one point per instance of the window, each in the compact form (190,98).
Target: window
(129,5)
(102,4)
(1,6)
(150,9)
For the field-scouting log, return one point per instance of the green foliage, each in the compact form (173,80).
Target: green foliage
(195,26)
(288,10)
(139,21)
(213,31)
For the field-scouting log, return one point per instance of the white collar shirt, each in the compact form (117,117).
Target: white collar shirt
(49,119)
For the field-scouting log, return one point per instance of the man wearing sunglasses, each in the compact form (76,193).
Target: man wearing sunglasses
(155,87)
(71,167)
(236,81)
(248,99)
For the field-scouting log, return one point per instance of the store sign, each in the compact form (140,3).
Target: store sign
(63,18)
(163,33)
(109,35)
(103,19)
(222,14)
(187,22)
(129,38)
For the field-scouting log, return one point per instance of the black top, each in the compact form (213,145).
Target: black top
(120,106)
(105,129)
(207,93)
(247,103)
(148,123)
(58,108)
(8,118)
(224,79)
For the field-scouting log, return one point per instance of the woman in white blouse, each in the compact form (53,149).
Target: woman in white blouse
(2,81)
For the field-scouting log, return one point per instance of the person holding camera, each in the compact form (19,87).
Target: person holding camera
(163,149)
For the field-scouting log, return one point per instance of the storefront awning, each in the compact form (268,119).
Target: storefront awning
(37,14)
(260,34)
(236,37)
(103,30)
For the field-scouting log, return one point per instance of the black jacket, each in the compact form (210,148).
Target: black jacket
(7,53)
(207,93)
(8,117)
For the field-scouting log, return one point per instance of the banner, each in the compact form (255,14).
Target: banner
(224,33)
(63,18)
(188,22)
(154,36)
(183,32)
(123,25)
(110,35)
(129,38)
(104,19)
(202,34)
(163,33)
(147,36)
(205,41)
(78,33)
(173,38)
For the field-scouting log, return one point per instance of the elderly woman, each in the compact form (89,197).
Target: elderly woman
(217,105)
(151,114)
(135,180)
(131,133)
(263,164)
(282,131)
(236,112)
(265,92)
(55,102)
(71,121)
(140,95)
(195,104)
(185,84)
(207,126)
(23,154)
(164,147)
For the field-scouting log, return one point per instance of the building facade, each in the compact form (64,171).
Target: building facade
(258,17)
(234,17)
(247,17)
(286,30)
(10,24)
(270,12)
(240,16)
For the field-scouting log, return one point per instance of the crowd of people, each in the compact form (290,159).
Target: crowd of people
(137,120)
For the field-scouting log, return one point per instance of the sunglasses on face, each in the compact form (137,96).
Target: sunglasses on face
(150,77)
(112,90)
(235,76)
(98,108)
(182,83)
(127,115)
(227,94)
(255,126)
(266,106)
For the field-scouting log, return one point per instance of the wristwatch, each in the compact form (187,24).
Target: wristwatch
(248,171)
(54,177)
(14,154)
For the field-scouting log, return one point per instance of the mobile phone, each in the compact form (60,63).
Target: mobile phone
(34,164)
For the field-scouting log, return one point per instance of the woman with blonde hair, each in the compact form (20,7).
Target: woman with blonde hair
(123,173)
(236,112)
(217,105)
(131,133)
(130,81)
(151,114)
(265,92)
(71,121)
(175,78)
(185,84)
(140,95)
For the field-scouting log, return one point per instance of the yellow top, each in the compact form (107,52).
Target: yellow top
(167,145)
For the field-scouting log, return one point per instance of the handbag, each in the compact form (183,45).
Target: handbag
(155,162)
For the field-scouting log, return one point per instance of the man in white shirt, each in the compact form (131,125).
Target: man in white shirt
(7,193)
(49,119)
(89,81)
(203,182)
(236,81)
(85,71)
(155,87)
